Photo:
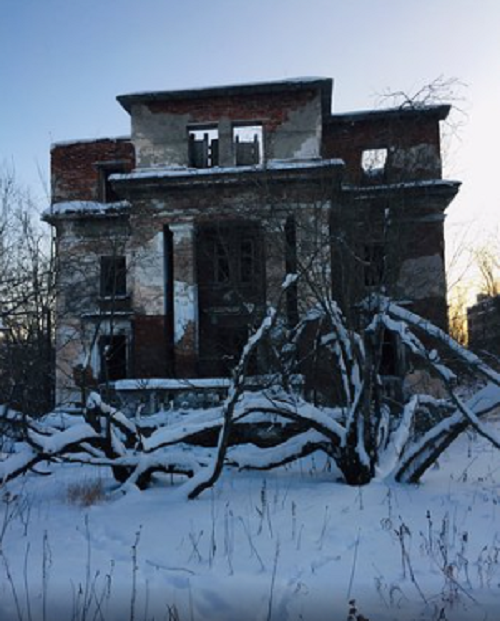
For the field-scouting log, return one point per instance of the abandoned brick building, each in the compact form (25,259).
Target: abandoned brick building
(172,242)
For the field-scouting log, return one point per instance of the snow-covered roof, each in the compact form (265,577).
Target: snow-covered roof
(182,171)
(84,208)
(440,111)
(66,143)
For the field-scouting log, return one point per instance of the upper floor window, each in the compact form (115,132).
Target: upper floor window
(248,145)
(106,193)
(113,276)
(373,164)
(203,147)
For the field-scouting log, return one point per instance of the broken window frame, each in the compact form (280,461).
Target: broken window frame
(203,146)
(242,146)
(113,276)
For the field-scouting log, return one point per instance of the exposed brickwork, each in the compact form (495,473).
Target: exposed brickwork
(348,140)
(270,109)
(177,306)
(74,170)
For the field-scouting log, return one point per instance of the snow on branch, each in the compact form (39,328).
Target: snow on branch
(426,326)
(252,458)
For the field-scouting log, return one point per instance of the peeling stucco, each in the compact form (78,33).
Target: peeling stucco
(185,309)
(422,277)
(147,272)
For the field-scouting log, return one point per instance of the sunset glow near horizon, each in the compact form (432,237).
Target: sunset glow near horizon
(63,64)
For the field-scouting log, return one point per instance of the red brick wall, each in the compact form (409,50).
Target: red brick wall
(348,140)
(272,109)
(74,174)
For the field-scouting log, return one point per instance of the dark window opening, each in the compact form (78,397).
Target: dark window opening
(106,192)
(203,147)
(374,264)
(113,276)
(248,145)
(113,354)
(232,258)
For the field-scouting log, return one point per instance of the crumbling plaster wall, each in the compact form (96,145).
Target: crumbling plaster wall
(183,212)
(422,272)
(292,126)
(150,274)
(408,228)
(79,317)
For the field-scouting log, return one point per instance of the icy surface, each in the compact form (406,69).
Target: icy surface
(288,544)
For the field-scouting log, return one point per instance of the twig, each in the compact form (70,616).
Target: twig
(353,568)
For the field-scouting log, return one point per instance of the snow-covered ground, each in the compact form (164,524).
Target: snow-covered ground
(282,545)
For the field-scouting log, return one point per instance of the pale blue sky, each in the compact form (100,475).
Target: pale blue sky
(63,62)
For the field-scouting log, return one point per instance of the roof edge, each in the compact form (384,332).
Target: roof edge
(439,111)
(277,86)
(76,141)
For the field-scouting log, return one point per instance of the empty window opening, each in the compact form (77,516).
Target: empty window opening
(248,145)
(105,190)
(373,162)
(113,276)
(374,264)
(113,357)
(203,147)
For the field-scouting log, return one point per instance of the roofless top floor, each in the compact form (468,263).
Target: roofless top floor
(250,125)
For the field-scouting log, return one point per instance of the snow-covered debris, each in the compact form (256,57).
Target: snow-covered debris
(55,443)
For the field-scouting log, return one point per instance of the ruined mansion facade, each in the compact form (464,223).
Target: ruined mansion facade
(171,243)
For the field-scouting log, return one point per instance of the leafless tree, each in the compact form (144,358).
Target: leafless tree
(27,300)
